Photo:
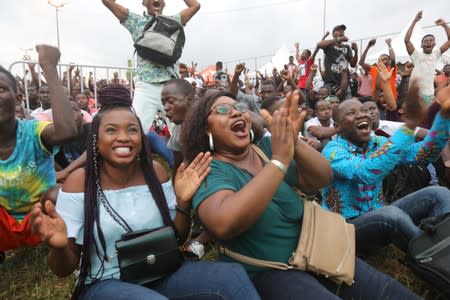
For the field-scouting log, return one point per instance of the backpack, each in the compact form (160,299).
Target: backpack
(429,253)
(404,180)
(162,41)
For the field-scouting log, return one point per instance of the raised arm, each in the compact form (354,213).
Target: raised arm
(63,127)
(429,149)
(237,73)
(354,59)
(34,76)
(313,56)
(391,52)
(297,51)
(444,24)
(385,76)
(362,61)
(118,10)
(311,75)
(192,8)
(408,43)
(187,181)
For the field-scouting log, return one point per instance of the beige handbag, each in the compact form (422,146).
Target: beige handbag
(326,245)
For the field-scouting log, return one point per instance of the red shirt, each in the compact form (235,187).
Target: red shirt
(304,67)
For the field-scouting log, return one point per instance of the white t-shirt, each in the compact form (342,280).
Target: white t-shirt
(134,204)
(424,70)
(315,122)
(390,127)
(174,142)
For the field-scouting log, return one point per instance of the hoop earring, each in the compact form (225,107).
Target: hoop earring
(252,135)
(211,142)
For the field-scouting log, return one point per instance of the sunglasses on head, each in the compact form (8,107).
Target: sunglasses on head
(226,108)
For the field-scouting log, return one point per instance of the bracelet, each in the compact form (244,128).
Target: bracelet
(184,211)
(279,165)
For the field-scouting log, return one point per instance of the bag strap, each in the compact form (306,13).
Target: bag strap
(254,261)
(260,153)
(111,211)
(430,224)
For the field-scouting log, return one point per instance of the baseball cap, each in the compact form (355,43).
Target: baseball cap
(340,27)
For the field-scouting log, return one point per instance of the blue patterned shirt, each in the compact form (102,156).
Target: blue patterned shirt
(358,174)
(148,71)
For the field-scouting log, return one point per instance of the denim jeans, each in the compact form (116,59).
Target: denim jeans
(193,280)
(159,146)
(369,284)
(397,223)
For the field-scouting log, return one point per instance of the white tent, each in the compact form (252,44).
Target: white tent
(280,58)
(398,44)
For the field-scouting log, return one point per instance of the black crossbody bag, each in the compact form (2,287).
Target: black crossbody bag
(145,255)
(429,253)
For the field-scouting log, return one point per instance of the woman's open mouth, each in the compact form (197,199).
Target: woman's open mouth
(240,128)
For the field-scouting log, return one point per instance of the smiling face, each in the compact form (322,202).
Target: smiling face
(7,99)
(154,7)
(175,103)
(119,137)
(353,122)
(230,131)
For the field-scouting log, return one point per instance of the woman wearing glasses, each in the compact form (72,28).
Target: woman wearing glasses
(249,205)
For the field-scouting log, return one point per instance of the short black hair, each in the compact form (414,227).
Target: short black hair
(427,35)
(10,77)
(269,101)
(182,86)
(219,64)
(308,51)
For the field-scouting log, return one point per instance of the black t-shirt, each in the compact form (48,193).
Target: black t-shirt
(337,57)
(72,150)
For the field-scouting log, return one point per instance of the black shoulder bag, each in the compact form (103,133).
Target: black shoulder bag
(145,255)
(429,253)
(162,41)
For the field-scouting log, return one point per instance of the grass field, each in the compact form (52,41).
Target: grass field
(25,275)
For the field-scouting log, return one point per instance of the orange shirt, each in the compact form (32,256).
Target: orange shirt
(374,73)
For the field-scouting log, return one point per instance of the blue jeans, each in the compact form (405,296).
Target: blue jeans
(193,280)
(369,284)
(397,223)
(159,146)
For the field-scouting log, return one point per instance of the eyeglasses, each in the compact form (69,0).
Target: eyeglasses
(226,108)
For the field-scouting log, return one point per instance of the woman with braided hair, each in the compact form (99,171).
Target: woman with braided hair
(120,167)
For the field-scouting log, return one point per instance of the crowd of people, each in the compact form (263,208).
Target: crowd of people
(332,132)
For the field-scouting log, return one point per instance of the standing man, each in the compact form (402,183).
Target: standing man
(337,58)
(150,75)
(425,62)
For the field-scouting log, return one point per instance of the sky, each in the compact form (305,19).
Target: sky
(228,30)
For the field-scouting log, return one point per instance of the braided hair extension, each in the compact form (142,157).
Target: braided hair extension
(110,97)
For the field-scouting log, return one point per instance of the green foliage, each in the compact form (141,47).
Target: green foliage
(25,275)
